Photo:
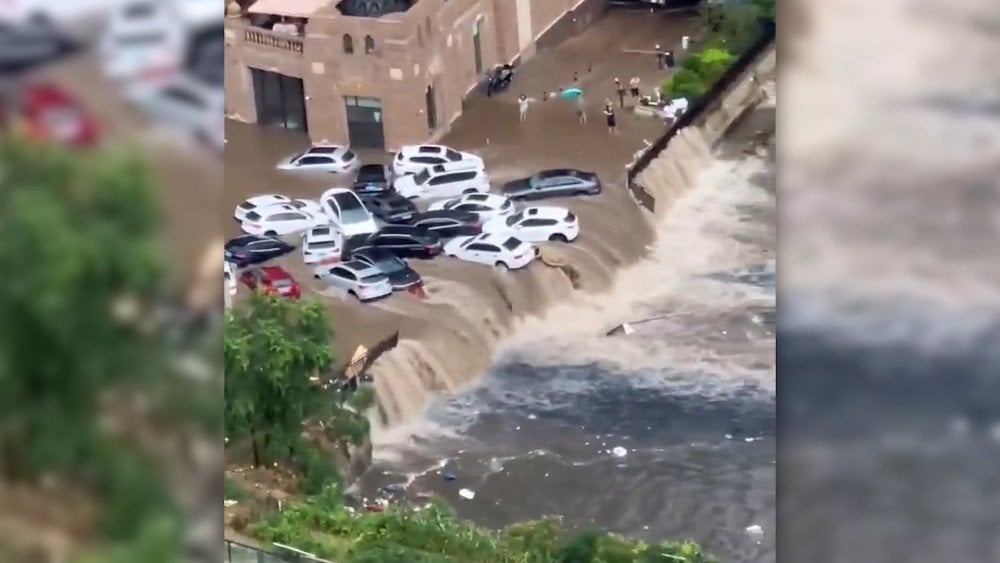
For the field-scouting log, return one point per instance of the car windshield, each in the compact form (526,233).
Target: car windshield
(453,155)
(511,244)
(374,278)
(390,265)
(247,205)
(253,216)
(514,219)
(351,209)
(420,177)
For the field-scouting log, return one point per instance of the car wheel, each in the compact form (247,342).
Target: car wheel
(503,265)
(558,237)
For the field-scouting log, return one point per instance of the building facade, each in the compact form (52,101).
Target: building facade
(380,82)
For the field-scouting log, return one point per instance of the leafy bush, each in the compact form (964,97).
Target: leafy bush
(433,534)
(685,83)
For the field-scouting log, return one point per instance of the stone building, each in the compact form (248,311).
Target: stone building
(379,73)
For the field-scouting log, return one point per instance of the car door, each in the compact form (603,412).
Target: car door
(487,253)
(260,251)
(566,185)
(337,278)
(534,230)
(314,162)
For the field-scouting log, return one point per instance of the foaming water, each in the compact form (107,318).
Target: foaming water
(690,396)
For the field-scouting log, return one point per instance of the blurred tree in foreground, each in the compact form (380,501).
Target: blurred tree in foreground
(85,390)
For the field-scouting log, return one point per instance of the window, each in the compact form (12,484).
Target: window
(348,44)
(427,149)
(463,176)
(511,243)
(311,160)
(323,244)
(453,156)
(323,150)
(253,216)
(372,278)
(479,247)
(538,223)
(349,156)
(369,45)
(426,160)
(443,179)
(421,177)
(287,217)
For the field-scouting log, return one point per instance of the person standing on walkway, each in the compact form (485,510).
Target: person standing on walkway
(609,116)
(620,90)
(634,86)
(581,110)
(660,57)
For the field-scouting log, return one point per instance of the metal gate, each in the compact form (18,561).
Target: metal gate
(364,122)
(280,100)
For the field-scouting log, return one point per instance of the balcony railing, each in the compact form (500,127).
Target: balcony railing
(273,40)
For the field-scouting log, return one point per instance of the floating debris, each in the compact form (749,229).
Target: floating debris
(467,494)
(755,530)
(619,451)
(449,476)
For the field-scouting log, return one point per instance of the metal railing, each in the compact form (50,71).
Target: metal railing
(237,552)
(273,40)
(697,107)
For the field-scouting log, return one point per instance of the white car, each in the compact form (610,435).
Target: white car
(189,105)
(413,158)
(486,206)
(258,201)
(322,245)
(323,158)
(280,219)
(347,213)
(537,224)
(146,41)
(442,180)
(357,279)
(493,250)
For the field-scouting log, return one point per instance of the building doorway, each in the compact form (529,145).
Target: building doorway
(477,45)
(279,100)
(364,122)
(431,102)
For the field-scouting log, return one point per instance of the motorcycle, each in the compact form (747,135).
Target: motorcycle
(499,78)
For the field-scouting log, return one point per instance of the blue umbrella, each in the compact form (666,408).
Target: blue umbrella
(570,93)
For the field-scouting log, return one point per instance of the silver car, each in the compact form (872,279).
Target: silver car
(558,182)
(357,279)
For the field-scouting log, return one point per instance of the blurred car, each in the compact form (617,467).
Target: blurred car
(346,211)
(402,240)
(280,219)
(29,43)
(246,250)
(272,280)
(146,43)
(448,224)
(536,224)
(443,180)
(188,105)
(502,251)
(413,158)
(322,245)
(322,158)
(229,278)
(553,183)
(258,201)
(52,13)
(48,113)
(400,274)
(357,279)
(372,179)
(390,207)
(486,206)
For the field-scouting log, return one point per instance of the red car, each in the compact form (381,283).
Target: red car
(273,280)
(49,113)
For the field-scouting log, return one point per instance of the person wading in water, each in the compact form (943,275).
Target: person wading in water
(620,90)
(609,115)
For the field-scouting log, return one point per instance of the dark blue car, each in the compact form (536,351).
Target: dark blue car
(248,250)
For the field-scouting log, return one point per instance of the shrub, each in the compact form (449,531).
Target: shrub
(684,84)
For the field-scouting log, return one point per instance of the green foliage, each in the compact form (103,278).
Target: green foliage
(432,534)
(733,26)
(767,8)
(685,83)
(273,347)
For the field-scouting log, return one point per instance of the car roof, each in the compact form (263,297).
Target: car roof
(243,239)
(374,253)
(544,212)
(259,200)
(336,150)
(275,272)
(447,213)
(275,208)
(402,230)
(489,199)
(453,167)
(316,234)
(417,150)
(359,267)
(492,238)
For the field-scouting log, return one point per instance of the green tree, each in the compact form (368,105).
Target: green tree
(734,27)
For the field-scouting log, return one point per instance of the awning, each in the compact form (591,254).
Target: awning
(290,8)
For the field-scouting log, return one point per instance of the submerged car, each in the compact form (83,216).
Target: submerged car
(357,279)
(322,158)
(246,250)
(402,240)
(372,179)
(413,158)
(560,182)
(503,251)
(400,274)
(390,207)
(272,280)
(537,224)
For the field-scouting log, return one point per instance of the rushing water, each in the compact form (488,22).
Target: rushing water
(691,398)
